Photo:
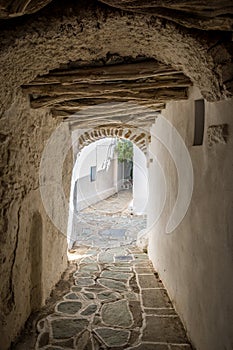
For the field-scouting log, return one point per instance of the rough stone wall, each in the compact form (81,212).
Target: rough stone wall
(33,252)
(10,9)
(213,15)
(195,260)
(217,134)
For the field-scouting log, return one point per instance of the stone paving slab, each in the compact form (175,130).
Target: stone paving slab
(155,298)
(148,281)
(181,347)
(117,275)
(105,258)
(116,286)
(150,346)
(160,311)
(62,328)
(69,307)
(144,270)
(164,329)
(113,337)
(117,314)
(50,347)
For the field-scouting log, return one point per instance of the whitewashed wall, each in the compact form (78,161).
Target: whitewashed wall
(195,261)
(140,181)
(90,192)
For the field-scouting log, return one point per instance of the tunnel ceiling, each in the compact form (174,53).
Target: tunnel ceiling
(76,85)
(68,55)
(201,14)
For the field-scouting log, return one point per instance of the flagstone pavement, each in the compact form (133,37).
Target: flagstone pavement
(117,300)
(108,223)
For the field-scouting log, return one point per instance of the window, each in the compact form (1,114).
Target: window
(199,122)
(93,173)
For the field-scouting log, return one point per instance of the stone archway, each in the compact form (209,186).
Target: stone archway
(141,138)
(81,194)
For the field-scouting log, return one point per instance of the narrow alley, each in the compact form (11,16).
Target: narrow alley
(116,142)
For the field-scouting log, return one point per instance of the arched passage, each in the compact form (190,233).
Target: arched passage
(110,179)
(65,37)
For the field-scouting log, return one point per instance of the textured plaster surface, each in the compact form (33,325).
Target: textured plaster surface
(29,240)
(36,45)
(195,261)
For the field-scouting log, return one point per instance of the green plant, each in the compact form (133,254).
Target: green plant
(124,149)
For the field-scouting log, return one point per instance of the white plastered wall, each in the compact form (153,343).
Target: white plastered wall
(195,261)
(95,155)
(140,181)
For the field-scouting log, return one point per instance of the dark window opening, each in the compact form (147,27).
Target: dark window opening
(199,122)
(93,173)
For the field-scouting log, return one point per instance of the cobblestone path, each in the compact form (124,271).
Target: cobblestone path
(117,302)
(108,223)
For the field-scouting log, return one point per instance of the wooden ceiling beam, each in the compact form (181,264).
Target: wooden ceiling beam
(143,123)
(43,102)
(73,106)
(130,71)
(119,93)
(122,117)
(153,97)
(48,101)
(90,89)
